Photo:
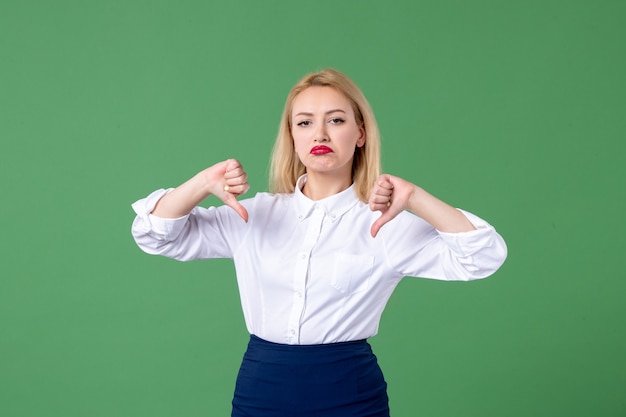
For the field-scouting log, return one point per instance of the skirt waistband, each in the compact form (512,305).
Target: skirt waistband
(255,340)
(278,353)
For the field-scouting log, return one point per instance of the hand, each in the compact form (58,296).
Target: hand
(227,180)
(390,195)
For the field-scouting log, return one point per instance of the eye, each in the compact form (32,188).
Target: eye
(304,123)
(336,121)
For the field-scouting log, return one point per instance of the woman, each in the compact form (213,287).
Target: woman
(318,258)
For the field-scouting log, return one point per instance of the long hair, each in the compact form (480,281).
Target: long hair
(286,168)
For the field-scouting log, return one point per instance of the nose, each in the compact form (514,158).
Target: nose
(320,133)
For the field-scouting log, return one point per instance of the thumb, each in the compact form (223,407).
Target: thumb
(380,222)
(232,202)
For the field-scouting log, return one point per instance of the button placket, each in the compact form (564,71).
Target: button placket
(301,273)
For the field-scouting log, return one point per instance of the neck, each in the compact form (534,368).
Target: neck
(319,186)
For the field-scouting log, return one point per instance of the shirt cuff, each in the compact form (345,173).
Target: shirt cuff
(158,227)
(467,244)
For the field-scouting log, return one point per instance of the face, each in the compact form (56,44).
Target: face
(325,132)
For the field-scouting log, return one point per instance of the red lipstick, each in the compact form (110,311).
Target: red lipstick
(320,150)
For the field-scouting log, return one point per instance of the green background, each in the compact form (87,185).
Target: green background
(512,110)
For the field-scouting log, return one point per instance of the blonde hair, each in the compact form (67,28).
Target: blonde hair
(286,168)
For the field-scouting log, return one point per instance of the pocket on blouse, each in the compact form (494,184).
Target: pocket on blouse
(351,273)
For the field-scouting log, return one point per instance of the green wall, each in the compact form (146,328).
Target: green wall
(512,110)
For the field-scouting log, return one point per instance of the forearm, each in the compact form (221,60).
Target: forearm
(439,214)
(180,201)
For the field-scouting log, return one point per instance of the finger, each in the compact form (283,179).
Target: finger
(378,223)
(240,181)
(237,190)
(232,202)
(380,201)
(235,178)
(384,182)
(383,186)
(388,212)
(381,221)
(381,191)
(233,172)
(232,164)
(383,207)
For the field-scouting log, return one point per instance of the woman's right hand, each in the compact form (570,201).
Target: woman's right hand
(227,180)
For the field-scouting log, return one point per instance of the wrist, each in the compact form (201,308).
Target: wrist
(202,185)
(415,198)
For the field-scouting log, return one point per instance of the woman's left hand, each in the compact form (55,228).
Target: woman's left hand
(390,195)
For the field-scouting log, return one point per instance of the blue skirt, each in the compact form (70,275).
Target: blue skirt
(329,380)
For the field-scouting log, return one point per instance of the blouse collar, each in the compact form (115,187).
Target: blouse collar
(334,206)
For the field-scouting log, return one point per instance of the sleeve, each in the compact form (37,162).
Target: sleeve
(414,248)
(202,234)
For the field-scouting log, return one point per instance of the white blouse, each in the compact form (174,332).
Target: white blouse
(309,272)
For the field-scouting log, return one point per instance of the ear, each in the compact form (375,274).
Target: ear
(361,140)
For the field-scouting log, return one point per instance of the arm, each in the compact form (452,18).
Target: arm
(392,195)
(226,180)
(459,246)
(169,222)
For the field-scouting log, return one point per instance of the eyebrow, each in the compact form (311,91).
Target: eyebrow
(302,113)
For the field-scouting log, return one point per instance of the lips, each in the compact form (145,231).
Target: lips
(320,150)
